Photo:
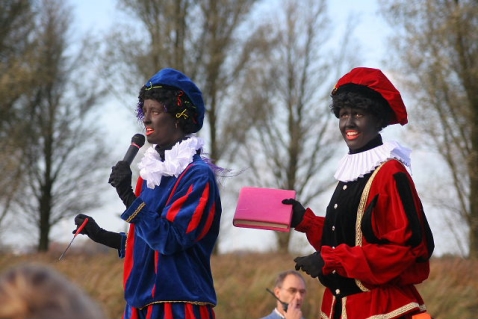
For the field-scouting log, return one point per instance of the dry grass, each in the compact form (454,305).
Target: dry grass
(241,280)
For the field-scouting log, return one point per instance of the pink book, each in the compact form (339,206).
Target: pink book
(262,208)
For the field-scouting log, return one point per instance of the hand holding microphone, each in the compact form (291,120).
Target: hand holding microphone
(137,141)
(121,174)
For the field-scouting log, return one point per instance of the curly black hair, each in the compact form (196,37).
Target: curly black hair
(175,102)
(362,97)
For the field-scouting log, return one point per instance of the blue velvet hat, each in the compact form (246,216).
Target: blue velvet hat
(172,77)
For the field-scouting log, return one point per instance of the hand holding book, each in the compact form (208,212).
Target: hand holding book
(298,211)
(262,208)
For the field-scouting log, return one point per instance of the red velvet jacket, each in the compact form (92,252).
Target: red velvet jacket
(393,244)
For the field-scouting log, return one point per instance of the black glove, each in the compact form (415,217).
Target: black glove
(311,265)
(298,211)
(96,233)
(120,178)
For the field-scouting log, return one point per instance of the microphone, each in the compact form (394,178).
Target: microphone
(137,141)
(285,305)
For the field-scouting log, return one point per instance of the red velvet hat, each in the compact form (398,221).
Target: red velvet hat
(377,81)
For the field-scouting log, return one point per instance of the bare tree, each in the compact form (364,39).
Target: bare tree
(288,136)
(16,49)
(55,114)
(157,34)
(206,40)
(436,46)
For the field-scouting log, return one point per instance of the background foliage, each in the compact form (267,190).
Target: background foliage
(241,280)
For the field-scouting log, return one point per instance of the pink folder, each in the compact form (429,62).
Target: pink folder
(262,208)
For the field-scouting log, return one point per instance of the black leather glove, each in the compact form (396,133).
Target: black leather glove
(96,233)
(311,264)
(298,211)
(120,178)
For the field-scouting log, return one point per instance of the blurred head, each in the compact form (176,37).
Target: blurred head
(289,285)
(35,291)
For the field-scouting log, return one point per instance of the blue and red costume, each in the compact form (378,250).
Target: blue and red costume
(172,233)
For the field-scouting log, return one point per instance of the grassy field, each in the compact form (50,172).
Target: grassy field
(241,280)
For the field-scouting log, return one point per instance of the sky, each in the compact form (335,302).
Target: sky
(99,16)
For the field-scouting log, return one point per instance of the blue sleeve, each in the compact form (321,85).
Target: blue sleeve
(122,250)
(190,213)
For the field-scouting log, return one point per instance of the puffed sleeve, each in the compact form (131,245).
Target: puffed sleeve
(312,226)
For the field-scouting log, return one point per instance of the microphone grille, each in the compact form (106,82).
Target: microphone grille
(138,139)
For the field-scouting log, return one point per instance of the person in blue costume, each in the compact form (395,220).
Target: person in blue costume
(174,214)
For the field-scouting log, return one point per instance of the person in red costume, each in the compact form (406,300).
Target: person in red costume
(374,243)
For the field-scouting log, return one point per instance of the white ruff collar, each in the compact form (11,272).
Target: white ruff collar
(152,169)
(353,166)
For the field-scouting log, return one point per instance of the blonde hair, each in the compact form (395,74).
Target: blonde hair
(35,291)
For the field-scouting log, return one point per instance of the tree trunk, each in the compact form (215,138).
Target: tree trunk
(283,240)
(473,173)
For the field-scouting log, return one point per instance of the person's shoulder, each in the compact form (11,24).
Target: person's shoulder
(393,165)
(272,315)
(198,169)
(199,164)
(199,161)
(387,171)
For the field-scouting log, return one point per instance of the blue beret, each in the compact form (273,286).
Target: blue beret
(172,77)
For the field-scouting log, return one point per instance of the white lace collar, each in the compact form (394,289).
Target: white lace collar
(353,166)
(152,169)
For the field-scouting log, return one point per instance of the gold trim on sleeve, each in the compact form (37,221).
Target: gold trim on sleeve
(136,212)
